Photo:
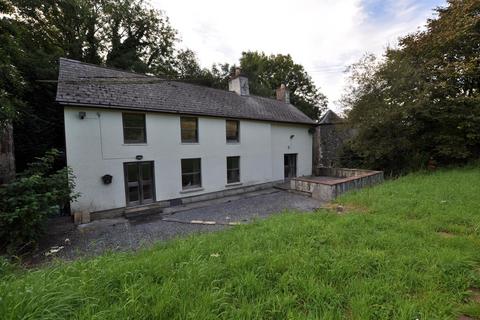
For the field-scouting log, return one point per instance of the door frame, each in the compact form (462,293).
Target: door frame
(295,155)
(141,201)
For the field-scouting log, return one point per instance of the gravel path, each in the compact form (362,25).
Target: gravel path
(122,234)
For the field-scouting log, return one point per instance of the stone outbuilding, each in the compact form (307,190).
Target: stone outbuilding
(329,137)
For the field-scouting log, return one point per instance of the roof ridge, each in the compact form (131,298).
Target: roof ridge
(107,67)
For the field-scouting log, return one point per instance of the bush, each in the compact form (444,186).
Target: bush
(27,202)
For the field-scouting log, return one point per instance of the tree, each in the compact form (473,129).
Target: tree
(141,38)
(127,34)
(11,87)
(27,202)
(422,101)
(267,72)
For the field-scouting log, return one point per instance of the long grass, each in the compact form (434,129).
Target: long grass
(408,249)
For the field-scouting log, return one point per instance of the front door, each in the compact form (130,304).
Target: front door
(139,183)
(290,165)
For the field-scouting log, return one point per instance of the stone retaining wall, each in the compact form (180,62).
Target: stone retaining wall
(329,183)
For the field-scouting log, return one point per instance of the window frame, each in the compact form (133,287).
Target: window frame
(196,130)
(199,172)
(125,141)
(238,131)
(234,169)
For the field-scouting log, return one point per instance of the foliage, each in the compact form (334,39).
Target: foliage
(140,38)
(267,72)
(11,82)
(384,258)
(126,34)
(187,68)
(30,199)
(422,100)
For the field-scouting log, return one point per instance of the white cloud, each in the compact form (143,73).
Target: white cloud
(323,35)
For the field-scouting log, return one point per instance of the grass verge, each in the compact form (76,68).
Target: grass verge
(412,254)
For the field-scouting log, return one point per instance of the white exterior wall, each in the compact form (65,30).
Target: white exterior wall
(95,147)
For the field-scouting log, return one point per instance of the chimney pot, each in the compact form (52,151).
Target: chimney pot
(238,71)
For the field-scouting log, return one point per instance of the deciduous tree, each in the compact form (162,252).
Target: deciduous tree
(421,101)
(267,72)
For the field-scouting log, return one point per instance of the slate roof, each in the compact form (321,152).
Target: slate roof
(95,86)
(330,117)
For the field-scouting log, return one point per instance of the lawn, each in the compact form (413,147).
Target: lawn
(408,249)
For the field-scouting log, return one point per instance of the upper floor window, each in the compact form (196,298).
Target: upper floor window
(134,128)
(189,129)
(233,131)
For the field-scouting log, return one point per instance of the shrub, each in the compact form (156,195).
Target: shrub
(27,202)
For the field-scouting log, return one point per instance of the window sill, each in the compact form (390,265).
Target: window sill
(233,142)
(233,184)
(191,190)
(190,143)
(135,144)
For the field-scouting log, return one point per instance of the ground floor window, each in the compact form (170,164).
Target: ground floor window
(191,173)
(233,169)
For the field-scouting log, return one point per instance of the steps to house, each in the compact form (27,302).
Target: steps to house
(143,211)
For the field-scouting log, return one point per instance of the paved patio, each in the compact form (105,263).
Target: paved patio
(130,234)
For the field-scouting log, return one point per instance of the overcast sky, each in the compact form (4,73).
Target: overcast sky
(323,35)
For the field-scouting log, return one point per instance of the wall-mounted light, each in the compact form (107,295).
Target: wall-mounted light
(107,179)
(139,157)
(82,115)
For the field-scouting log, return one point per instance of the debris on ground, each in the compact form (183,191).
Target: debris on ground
(53,250)
(341,208)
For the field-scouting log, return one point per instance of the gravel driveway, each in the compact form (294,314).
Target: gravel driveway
(130,234)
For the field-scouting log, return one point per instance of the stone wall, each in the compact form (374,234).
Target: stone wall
(341,172)
(328,192)
(330,135)
(344,180)
(7,158)
(329,143)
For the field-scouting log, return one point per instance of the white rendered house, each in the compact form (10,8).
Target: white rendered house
(134,140)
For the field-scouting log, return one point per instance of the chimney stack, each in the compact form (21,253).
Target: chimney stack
(283,94)
(239,83)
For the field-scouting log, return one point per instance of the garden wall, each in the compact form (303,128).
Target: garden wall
(329,183)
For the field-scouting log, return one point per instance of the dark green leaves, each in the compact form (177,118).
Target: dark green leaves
(422,101)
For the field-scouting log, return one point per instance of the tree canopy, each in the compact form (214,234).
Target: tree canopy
(125,34)
(421,101)
(267,72)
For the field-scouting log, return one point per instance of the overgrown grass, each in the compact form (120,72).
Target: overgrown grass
(413,255)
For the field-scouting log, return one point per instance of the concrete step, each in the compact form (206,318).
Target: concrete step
(283,186)
(147,210)
(207,203)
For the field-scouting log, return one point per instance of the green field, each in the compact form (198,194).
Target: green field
(408,249)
